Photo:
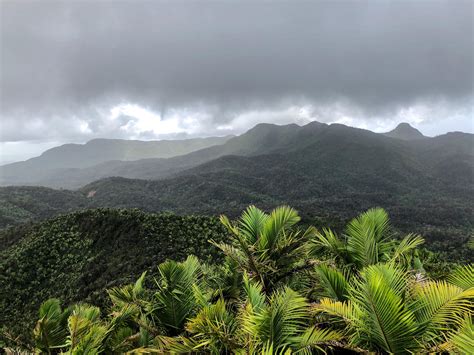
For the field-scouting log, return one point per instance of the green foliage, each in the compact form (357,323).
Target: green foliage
(267,247)
(380,302)
(175,299)
(329,173)
(50,331)
(76,257)
(368,241)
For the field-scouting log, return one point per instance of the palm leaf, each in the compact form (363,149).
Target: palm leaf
(346,311)
(461,340)
(213,328)
(280,219)
(386,322)
(327,242)
(463,276)
(50,330)
(440,306)
(251,223)
(367,236)
(333,282)
(406,246)
(279,322)
(316,338)
(175,299)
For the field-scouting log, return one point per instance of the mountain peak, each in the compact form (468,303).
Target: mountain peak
(405,131)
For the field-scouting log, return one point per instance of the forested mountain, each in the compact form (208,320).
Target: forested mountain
(329,173)
(76,256)
(263,138)
(326,171)
(405,131)
(57,161)
(317,139)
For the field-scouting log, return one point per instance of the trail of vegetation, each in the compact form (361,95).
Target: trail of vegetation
(278,289)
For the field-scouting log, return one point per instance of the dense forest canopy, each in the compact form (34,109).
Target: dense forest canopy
(150,152)
(328,172)
(260,284)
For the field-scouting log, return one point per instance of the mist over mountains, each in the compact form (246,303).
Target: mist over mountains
(72,165)
(326,171)
(329,173)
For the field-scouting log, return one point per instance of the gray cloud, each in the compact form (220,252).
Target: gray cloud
(65,64)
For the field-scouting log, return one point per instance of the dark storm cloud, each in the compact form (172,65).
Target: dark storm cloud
(64,64)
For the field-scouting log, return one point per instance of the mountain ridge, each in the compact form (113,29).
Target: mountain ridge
(405,131)
(261,139)
(55,161)
(323,170)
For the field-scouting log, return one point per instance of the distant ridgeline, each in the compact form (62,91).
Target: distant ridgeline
(328,172)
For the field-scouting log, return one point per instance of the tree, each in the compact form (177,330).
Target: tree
(268,247)
(368,240)
(368,293)
(388,310)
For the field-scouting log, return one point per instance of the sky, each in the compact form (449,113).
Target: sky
(71,71)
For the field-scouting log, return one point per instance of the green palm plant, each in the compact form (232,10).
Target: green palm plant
(369,298)
(86,331)
(460,341)
(77,330)
(225,280)
(388,311)
(50,332)
(176,301)
(263,324)
(368,241)
(280,322)
(214,330)
(268,247)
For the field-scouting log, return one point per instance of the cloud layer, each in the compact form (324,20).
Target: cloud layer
(73,70)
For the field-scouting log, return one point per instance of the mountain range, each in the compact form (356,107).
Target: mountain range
(72,166)
(56,165)
(328,172)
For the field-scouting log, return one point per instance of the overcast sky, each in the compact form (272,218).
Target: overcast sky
(76,70)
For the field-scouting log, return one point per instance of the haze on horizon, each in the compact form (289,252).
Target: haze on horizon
(76,70)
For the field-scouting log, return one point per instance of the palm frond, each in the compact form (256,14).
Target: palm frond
(280,219)
(367,236)
(174,300)
(407,245)
(463,276)
(386,322)
(327,242)
(251,223)
(461,340)
(280,321)
(346,310)
(316,338)
(333,282)
(82,318)
(50,330)
(92,341)
(213,328)
(440,306)
(255,298)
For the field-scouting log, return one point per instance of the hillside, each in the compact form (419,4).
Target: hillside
(326,172)
(82,272)
(57,161)
(22,204)
(263,138)
(405,131)
(76,256)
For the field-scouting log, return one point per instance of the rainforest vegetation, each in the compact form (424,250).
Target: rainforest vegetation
(274,287)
